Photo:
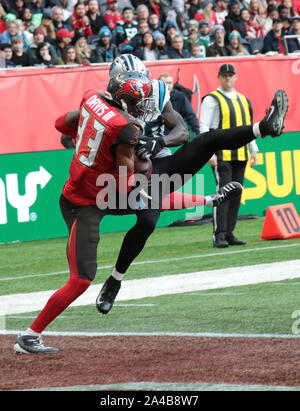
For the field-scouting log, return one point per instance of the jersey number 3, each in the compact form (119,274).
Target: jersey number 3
(90,138)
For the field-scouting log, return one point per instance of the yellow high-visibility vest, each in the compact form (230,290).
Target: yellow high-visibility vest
(233,113)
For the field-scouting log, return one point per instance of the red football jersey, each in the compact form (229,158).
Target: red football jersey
(101,126)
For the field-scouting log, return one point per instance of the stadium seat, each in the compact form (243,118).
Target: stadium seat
(256,45)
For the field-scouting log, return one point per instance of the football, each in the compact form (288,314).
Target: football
(143,166)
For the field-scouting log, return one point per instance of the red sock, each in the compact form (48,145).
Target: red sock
(178,201)
(59,301)
(63,297)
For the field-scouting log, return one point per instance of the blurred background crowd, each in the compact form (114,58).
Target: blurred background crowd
(69,32)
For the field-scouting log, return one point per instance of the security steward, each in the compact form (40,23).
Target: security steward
(225,108)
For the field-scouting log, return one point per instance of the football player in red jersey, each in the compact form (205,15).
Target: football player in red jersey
(107,136)
(130,92)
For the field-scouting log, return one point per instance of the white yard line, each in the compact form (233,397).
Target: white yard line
(154,334)
(165,260)
(168,284)
(172,386)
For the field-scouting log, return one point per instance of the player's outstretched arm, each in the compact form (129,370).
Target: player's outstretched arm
(178,134)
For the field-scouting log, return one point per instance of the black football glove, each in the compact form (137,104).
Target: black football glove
(148,147)
(67,141)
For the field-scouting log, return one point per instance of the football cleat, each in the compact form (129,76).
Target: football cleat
(30,344)
(273,123)
(226,193)
(107,295)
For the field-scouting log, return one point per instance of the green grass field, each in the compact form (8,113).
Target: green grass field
(252,309)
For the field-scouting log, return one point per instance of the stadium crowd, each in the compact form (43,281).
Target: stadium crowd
(45,33)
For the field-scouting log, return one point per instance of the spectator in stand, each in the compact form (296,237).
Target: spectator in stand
(105,50)
(235,46)
(179,19)
(193,27)
(286,25)
(233,21)
(197,51)
(147,51)
(176,51)
(218,48)
(96,19)
(181,104)
(272,13)
(178,5)
(20,57)
(58,22)
(192,7)
(48,28)
(2,14)
(44,57)
(81,24)
(204,32)
(170,32)
(158,7)
(296,6)
(38,38)
(194,38)
(136,41)
(273,40)
(257,13)
(69,56)
(221,10)
(68,7)
(19,6)
(7,55)
(35,6)
(25,34)
(154,23)
(289,5)
(161,46)
(10,32)
(253,29)
(82,49)
(63,39)
(294,44)
(126,28)
(283,12)
(207,14)
(111,15)
(27,18)
(142,13)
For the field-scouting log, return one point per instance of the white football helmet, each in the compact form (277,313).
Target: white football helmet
(128,62)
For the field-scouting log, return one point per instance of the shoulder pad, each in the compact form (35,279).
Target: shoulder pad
(130,133)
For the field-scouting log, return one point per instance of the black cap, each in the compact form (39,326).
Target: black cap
(227,68)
